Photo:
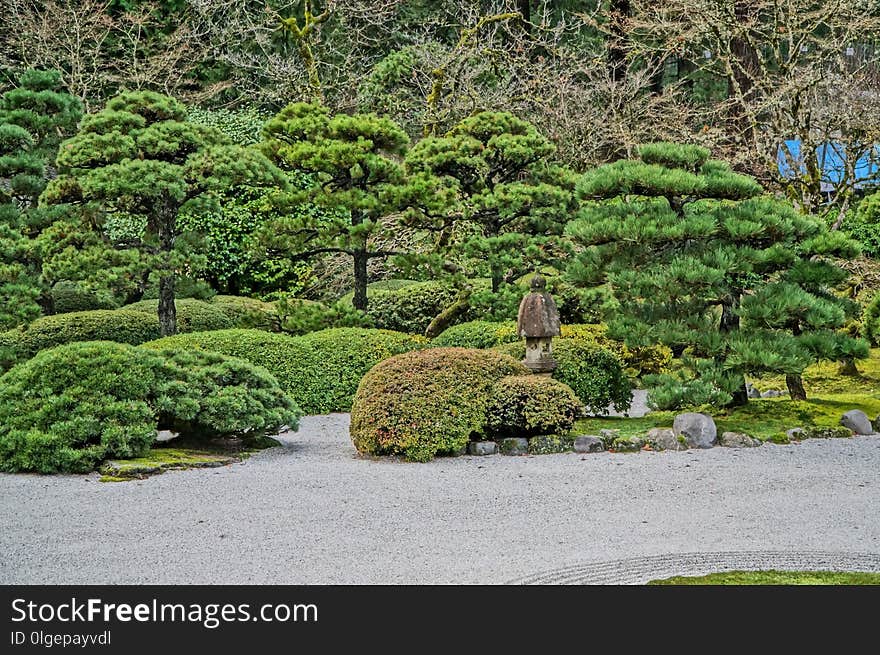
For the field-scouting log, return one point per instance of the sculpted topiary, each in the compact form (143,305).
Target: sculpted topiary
(425,403)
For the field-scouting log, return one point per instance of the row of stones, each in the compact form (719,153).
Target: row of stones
(690,430)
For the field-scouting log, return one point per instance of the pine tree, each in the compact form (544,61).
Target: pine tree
(735,282)
(489,193)
(353,176)
(143,162)
(34,116)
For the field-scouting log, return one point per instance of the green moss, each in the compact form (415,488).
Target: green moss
(627,444)
(161,459)
(551,443)
(773,577)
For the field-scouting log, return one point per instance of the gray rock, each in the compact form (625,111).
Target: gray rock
(857,421)
(588,444)
(513,446)
(548,444)
(665,439)
(771,393)
(698,429)
(627,444)
(738,440)
(608,436)
(482,447)
(752,391)
(795,434)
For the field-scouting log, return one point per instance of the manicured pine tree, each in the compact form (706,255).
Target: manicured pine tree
(489,193)
(140,159)
(34,117)
(352,173)
(735,282)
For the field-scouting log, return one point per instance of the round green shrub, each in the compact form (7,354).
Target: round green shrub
(320,370)
(246,312)
(410,308)
(120,325)
(70,407)
(192,315)
(71,297)
(637,361)
(871,321)
(477,334)
(424,403)
(529,405)
(298,316)
(595,374)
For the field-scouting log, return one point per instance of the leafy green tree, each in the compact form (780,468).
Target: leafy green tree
(33,118)
(144,163)
(735,282)
(489,193)
(353,175)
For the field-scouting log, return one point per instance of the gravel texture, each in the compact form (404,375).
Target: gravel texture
(315,512)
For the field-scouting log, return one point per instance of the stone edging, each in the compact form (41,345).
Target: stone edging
(640,570)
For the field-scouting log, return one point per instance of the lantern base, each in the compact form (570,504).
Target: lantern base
(543,366)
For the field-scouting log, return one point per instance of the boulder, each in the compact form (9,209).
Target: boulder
(795,434)
(771,393)
(513,446)
(588,444)
(698,429)
(738,440)
(665,439)
(752,391)
(857,421)
(482,447)
(815,432)
(547,444)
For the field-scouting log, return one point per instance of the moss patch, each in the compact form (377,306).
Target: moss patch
(773,577)
(181,456)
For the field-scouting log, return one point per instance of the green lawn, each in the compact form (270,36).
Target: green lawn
(775,578)
(829,396)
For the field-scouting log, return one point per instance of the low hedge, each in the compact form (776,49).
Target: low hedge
(119,325)
(595,374)
(246,312)
(71,297)
(320,370)
(410,308)
(477,334)
(70,407)
(424,403)
(530,405)
(192,315)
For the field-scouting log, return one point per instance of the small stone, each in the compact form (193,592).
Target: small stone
(815,432)
(771,393)
(857,421)
(795,434)
(588,444)
(608,436)
(738,440)
(627,444)
(752,391)
(482,447)
(514,446)
(698,429)
(665,439)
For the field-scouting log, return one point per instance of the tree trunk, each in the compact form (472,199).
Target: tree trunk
(730,323)
(848,367)
(744,67)
(360,280)
(167,310)
(740,397)
(445,318)
(795,384)
(525,9)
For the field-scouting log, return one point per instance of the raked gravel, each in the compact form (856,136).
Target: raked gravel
(314,512)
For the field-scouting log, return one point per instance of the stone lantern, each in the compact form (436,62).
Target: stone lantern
(538,322)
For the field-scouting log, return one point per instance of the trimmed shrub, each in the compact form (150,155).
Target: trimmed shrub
(298,316)
(595,374)
(529,405)
(421,404)
(68,408)
(320,370)
(411,308)
(71,297)
(871,321)
(477,334)
(246,312)
(192,315)
(120,325)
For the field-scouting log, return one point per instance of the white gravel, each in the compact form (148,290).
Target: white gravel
(314,512)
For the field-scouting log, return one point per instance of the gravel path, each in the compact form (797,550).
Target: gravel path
(314,512)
